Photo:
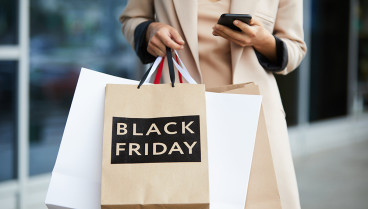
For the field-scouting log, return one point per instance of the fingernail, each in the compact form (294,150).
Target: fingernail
(236,22)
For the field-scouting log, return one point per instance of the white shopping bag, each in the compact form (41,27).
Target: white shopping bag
(231,126)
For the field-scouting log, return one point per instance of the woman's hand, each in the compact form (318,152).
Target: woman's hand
(253,34)
(160,35)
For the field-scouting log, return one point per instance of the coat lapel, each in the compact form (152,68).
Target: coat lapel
(239,7)
(187,12)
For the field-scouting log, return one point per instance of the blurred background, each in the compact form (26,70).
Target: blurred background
(44,43)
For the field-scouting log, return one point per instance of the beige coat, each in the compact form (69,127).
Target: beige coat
(283,18)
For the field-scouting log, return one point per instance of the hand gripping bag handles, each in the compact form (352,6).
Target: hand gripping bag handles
(155,145)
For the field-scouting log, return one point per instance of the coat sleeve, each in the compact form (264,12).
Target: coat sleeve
(289,28)
(135,13)
(282,58)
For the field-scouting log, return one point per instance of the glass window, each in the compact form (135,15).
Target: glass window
(363,54)
(8,92)
(65,36)
(329,59)
(8,22)
(288,86)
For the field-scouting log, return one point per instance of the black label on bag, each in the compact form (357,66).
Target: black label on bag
(153,140)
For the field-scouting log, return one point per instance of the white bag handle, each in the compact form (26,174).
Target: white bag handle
(153,69)
(181,68)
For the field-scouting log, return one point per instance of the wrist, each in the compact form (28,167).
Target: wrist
(267,47)
(268,41)
(149,29)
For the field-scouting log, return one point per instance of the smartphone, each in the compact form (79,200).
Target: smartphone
(228,19)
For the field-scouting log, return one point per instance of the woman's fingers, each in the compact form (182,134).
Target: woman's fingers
(234,36)
(242,42)
(156,47)
(220,33)
(165,38)
(154,51)
(254,21)
(177,37)
(228,32)
(159,36)
(247,29)
(250,35)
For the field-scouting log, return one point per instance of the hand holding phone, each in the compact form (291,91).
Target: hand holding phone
(228,19)
(254,35)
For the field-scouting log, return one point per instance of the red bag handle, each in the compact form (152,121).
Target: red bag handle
(159,71)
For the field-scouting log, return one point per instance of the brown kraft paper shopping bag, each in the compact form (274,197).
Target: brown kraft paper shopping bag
(155,147)
(262,189)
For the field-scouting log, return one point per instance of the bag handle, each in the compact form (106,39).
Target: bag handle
(171,66)
(159,71)
(180,76)
(181,68)
(149,72)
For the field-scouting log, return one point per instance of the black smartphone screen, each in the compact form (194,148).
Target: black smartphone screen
(228,19)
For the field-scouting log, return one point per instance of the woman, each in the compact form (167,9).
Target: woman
(216,55)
